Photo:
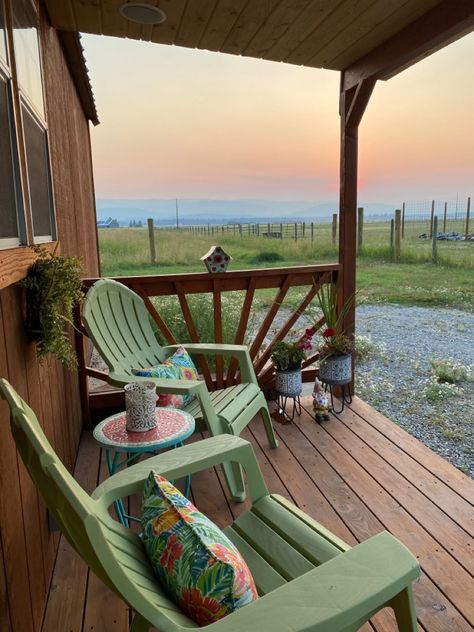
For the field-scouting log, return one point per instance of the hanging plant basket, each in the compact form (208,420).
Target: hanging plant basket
(336,369)
(53,287)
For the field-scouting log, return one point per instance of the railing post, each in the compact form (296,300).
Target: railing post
(434,241)
(468,212)
(151,238)
(398,232)
(432,217)
(81,367)
(360,227)
(334,228)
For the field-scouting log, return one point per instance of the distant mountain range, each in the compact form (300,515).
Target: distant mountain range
(225,211)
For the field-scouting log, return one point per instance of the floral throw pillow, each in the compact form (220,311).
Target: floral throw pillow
(179,366)
(198,565)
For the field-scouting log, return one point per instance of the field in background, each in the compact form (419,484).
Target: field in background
(125,251)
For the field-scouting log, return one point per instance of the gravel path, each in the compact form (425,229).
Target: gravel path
(398,381)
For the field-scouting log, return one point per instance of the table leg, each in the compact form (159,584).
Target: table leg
(112,467)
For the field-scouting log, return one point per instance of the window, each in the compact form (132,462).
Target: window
(3,44)
(23,131)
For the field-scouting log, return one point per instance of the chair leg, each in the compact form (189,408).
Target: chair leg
(235,480)
(139,624)
(267,421)
(404,608)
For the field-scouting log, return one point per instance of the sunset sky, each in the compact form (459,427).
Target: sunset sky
(178,123)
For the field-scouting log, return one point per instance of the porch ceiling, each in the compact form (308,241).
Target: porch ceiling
(331,34)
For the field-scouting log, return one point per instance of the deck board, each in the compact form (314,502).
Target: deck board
(357,474)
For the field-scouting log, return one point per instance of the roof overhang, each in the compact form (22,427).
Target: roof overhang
(384,36)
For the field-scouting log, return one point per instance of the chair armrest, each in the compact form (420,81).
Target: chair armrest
(188,459)
(346,590)
(163,385)
(239,352)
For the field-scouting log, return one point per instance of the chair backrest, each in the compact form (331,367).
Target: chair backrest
(118,323)
(87,525)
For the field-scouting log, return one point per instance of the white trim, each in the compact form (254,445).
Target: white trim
(9,242)
(43,239)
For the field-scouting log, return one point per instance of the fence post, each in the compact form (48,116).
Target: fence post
(334,228)
(403,220)
(304,229)
(392,231)
(432,217)
(240,230)
(445,215)
(398,233)
(434,241)
(360,227)
(312,231)
(258,230)
(151,238)
(468,213)
(296,231)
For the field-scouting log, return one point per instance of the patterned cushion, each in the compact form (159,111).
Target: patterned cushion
(197,564)
(179,366)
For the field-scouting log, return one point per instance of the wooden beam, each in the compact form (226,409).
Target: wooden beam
(352,106)
(445,23)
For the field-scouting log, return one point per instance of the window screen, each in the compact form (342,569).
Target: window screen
(3,47)
(37,164)
(8,204)
(27,55)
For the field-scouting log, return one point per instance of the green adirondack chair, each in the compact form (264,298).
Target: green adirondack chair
(117,321)
(308,580)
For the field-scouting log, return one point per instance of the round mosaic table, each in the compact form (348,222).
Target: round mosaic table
(173,426)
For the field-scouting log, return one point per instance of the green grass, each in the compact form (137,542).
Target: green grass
(414,281)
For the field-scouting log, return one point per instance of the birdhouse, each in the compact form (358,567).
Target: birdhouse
(216,260)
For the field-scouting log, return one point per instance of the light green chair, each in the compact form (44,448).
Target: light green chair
(118,323)
(308,579)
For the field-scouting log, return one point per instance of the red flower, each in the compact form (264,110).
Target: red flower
(171,553)
(201,609)
(309,333)
(329,332)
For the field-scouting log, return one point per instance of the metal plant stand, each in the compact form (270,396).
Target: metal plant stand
(282,403)
(346,397)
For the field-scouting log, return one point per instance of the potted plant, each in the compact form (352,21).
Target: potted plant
(335,362)
(287,358)
(53,287)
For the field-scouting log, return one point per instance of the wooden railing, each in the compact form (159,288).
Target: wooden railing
(308,278)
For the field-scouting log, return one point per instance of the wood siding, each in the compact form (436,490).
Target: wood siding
(27,547)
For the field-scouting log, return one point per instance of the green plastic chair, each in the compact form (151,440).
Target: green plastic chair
(308,579)
(118,323)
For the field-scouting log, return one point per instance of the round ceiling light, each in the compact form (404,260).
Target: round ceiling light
(142,13)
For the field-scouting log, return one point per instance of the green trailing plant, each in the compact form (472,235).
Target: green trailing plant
(53,287)
(335,341)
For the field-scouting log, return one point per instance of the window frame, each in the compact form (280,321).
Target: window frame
(15,254)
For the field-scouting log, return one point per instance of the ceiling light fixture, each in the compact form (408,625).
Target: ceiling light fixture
(142,13)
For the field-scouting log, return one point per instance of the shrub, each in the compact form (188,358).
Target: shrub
(267,257)
(449,372)
(436,391)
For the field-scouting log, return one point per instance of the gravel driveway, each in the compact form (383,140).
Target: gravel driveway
(397,378)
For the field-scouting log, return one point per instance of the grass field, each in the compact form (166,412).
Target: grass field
(415,281)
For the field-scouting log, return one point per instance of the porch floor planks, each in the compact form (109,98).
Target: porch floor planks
(357,474)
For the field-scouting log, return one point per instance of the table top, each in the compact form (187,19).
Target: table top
(173,426)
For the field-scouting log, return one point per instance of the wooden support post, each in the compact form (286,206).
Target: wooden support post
(403,221)
(360,227)
(151,238)
(432,217)
(445,216)
(434,240)
(468,213)
(392,233)
(334,229)
(398,233)
(312,231)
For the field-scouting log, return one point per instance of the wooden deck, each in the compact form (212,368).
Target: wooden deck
(357,474)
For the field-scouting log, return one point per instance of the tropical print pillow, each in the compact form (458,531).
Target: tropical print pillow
(198,565)
(179,366)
